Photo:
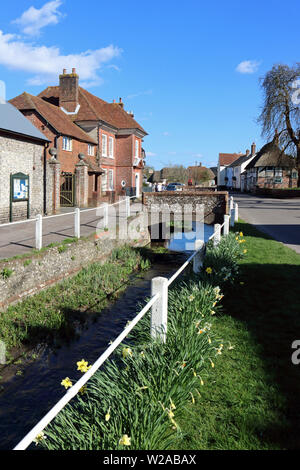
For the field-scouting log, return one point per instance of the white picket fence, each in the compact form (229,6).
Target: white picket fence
(159,321)
(77,218)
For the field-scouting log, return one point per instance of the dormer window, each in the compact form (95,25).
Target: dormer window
(67,144)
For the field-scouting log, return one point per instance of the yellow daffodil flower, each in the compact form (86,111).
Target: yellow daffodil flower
(66,383)
(39,438)
(208,270)
(107,416)
(83,366)
(127,352)
(125,440)
(173,407)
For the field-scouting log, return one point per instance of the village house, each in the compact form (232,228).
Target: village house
(22,167)
(119,137)
(99,140)
(69,141)
(270,168)
(233,172)
(199,175)
(225,159)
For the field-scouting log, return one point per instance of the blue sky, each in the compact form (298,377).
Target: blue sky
(189,70)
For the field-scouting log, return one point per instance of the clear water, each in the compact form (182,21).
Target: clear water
(185,241)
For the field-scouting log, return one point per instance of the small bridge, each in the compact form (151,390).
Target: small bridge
(215,204)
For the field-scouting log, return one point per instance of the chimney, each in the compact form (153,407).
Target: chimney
(247,152)
(68,91)
(253,149)
(121,103)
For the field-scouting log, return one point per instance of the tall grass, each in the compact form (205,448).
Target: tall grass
(145,388)
(52,312)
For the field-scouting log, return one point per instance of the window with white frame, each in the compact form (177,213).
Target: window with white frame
(104,145)
(111,147)
(278,172)
(67,144)
(136,149)
(104,181)
(110,180)
(91,150)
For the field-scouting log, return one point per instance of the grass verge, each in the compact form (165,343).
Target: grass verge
(251,400)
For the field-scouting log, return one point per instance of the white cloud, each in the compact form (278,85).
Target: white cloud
(248,66)
(151,154)
(166,133)
(47,62)
(33,20)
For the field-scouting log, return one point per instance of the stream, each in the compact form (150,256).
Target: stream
(26,398)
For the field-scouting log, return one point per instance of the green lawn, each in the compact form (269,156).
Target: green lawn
(251,399)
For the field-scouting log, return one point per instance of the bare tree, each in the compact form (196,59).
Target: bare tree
(281,108)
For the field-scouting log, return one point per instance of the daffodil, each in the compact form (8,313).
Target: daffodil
(173,407)
(191,298)
(82,390)
(83,366)
(193,399)
(66,383)
(241,234)
(39,438)
(125,440)
(244,251)
(170,414)
(127,352)
(212,364)
(107,416)
(208,270)
(201,382)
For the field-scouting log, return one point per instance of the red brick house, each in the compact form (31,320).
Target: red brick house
(90,136)
(69,141)
(119,137)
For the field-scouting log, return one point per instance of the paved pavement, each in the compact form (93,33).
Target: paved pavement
(279,218)
(17,239)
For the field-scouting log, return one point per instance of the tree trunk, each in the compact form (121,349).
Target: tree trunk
(298,164)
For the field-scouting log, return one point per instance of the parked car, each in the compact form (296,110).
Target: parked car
(175,187)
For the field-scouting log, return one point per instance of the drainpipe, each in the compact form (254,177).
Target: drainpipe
(45,177)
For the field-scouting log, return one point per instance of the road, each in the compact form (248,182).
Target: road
(279,218)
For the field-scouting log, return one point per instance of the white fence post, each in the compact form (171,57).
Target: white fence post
(199,257)
(77,223)
(232,218)
(159,311)
(217,237)
(226,225)
(236,212)
(105,214)
(39,232)
(231,203)
(127,206)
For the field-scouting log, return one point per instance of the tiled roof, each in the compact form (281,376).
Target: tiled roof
(54,115)
(226,159)
(93,108)
(240,160)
